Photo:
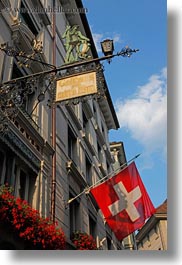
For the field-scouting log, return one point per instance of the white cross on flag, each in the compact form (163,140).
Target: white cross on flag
(124,201)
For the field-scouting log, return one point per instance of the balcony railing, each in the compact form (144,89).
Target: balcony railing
(30,120)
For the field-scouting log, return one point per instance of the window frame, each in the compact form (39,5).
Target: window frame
(72,145)
(74,215)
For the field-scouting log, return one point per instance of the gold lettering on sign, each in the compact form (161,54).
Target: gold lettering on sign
(76,86)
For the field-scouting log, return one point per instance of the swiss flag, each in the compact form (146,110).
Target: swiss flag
(124,201)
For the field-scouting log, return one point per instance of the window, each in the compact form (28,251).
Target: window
(86,128)
(17,175)
(16,71)
(99,152)
(28,101)
(7,160)
(94,112)
(2,167)
(109,243)
(27,18)
(85,121)
(72,145)
(86,125)
(75,109)
(102,129)
(8,166)
(108,168)
(25,184)
(88,171)
(92,226)
(74,215)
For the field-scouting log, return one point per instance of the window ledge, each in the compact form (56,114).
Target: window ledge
(73,170)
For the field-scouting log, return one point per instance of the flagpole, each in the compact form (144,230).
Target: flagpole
(86,190)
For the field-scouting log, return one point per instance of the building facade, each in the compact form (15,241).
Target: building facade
(153,235)
(82,148)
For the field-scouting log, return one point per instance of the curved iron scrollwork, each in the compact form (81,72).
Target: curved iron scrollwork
(14,94)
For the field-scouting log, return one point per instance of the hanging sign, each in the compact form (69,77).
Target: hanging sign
(76,86)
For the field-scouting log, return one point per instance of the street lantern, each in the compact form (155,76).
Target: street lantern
(107,47)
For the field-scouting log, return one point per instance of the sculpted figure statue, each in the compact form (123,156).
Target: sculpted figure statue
(76,44)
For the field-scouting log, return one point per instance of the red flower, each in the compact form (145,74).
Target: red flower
(26,222)
(83,241)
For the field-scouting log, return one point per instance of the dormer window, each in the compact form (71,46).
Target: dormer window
(28,19)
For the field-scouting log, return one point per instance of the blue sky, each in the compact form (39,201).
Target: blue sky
(138,85)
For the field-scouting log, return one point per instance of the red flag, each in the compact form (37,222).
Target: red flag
(124,201)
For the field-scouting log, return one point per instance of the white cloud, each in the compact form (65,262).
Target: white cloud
(117,38)
(144,115)
(97,39)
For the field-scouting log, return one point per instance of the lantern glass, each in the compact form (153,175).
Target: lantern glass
(107,47)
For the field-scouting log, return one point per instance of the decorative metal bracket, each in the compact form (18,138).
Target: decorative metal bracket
(13,95)
(24,59)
